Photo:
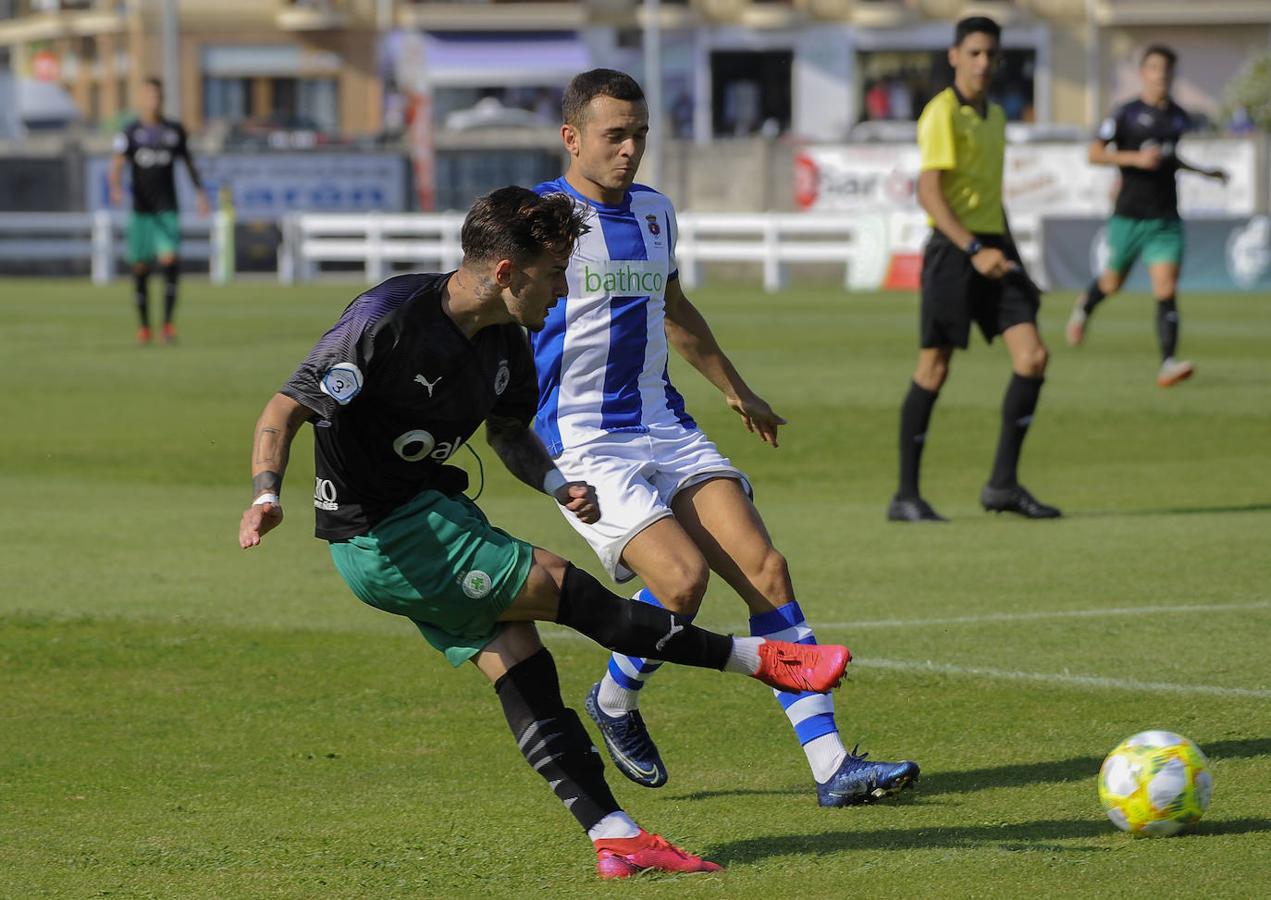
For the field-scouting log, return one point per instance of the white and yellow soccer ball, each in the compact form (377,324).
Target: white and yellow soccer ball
(1155,783)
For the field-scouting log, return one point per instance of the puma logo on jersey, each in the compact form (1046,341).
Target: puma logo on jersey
(428,384)
(675,629)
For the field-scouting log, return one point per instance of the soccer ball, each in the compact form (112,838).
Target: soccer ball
(1156,783)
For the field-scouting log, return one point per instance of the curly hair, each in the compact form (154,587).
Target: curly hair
(517,224)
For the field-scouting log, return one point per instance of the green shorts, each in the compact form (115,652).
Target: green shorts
(1155,240)
(439,562)
(151,235)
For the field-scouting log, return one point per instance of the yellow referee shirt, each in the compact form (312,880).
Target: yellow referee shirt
(970,150)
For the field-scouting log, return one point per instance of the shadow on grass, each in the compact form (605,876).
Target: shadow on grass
(1077,768)
(1019,836)
(1170,511)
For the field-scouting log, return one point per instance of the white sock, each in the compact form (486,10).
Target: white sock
(615,700)
(825,755)
(744,657)
(615,825)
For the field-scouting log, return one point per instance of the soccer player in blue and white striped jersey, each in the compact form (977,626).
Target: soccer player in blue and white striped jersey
(673,507)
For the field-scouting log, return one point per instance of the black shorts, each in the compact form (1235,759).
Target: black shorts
(954,294)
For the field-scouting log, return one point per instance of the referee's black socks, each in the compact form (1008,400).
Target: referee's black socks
(1093,297)
(1018,406)
(1167,326)
(915,415)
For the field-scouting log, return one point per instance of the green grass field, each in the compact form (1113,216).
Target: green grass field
(182,719)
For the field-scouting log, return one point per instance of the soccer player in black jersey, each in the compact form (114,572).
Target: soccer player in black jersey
(1141,138)
(150,145)
(398,384)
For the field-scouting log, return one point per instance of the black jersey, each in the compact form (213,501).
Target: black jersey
(396,389)
(1136,125)
(152,152)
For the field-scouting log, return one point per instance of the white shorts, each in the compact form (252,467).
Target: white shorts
(636,476)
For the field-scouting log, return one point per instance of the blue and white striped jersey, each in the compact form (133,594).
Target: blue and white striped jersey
(602,356)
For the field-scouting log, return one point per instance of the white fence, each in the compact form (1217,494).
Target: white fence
(864,245)
(98,238)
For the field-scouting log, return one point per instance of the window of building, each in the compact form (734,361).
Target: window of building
(227,99)
(896,84)
(751,92)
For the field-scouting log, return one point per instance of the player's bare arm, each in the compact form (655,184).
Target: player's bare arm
(1216,174)
(200,197)
(989,261)
(115,178)
(691,336)
(1101,154)
(524,455)
(271,448)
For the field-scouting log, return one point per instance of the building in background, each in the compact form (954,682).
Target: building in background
(731,68)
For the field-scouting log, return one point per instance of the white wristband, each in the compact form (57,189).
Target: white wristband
(267,498)
(553,481)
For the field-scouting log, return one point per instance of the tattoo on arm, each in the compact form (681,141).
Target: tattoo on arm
(519,448)
(266,483)
(271,448)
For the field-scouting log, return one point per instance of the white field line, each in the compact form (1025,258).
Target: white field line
(1058,678)
(1092,681)
(1097,613)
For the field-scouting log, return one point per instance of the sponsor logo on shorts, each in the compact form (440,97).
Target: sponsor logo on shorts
(342,382)
(476,584)
(502,378)
(324,496)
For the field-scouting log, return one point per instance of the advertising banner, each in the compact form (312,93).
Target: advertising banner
(266,186)
(1044,179)
(1222,254)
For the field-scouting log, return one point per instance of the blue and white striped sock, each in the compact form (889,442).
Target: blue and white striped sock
(812,715)
(620,687)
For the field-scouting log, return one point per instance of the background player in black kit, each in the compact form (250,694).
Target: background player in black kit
(151,145)
(1141,138)
(405,377)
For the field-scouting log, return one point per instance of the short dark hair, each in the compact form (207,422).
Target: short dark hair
(587,86)
(155,83)
(976,25)
(518,224)
(1170,57)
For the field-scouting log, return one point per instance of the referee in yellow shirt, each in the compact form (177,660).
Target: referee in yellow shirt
(971,271)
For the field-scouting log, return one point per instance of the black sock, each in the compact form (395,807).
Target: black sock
(140,298)
(1018,405)
(553,740)
(915,414)
(170,275)
(1094,296)
(1167,326)
(637,629)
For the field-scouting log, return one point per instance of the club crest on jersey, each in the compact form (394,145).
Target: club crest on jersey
(654,228)
(502,377)
(342,382)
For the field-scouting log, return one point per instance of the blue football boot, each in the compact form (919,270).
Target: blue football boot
(628,742)
(860,781)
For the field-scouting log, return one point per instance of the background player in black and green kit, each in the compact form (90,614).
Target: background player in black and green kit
(1141,138)
(402,380)
(150,146)
(971,272)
